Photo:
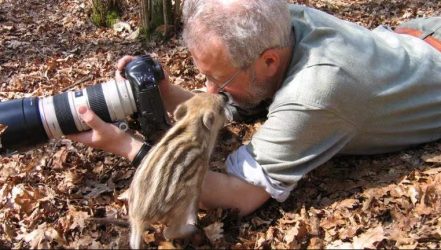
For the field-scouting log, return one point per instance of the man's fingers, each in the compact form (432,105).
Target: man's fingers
(118,76)
(90,118)
(120,65)
(123,61)
(84,137)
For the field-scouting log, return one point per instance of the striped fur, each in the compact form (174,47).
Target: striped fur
(166,186)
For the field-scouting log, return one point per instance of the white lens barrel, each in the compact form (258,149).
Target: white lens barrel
(111,101)
(48,117)
(119,99)
(77,99)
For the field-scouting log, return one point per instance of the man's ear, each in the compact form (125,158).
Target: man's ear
(269,62)
(180,111)
(208,120)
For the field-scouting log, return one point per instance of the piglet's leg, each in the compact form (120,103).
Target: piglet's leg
(183,225)
(136,231)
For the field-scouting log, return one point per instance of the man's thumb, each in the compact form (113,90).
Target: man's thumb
(90,118)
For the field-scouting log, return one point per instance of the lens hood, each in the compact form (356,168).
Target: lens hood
(24,127)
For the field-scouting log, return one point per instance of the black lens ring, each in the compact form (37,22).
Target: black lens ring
(64,114)
(98,102)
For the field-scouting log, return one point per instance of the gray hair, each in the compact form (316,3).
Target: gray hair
(246,27)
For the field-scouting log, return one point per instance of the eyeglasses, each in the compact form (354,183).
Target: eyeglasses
(222,86)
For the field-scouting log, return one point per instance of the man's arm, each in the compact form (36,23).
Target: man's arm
(226,191)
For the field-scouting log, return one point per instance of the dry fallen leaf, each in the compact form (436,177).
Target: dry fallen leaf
(432,158)
(41,237)
(25,198)
(214,232)
(2,128)
(291,237)
(59,158)
(339,244)
(166,245)
(78,218)
(257,221)
(367,239)
(413,194)
(354,195)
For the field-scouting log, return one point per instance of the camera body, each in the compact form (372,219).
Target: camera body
(32,121)
(144,76)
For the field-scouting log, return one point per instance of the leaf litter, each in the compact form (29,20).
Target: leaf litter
(54,195)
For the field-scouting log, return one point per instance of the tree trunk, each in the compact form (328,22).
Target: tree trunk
(176,12)
(145,17)
(105,12)
(157,18)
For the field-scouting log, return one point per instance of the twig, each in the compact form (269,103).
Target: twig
(82,80)
(107,220)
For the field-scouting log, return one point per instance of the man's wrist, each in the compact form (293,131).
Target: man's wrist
(133,148)
(142,152)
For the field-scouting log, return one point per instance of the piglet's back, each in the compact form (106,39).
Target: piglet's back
(173,171)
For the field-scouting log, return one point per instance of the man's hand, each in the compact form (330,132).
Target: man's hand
(120,65)
(172,95)
(106,136)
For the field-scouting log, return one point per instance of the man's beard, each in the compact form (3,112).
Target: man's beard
(257,93)
(256,105)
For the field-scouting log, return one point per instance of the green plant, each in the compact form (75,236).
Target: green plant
(105,12)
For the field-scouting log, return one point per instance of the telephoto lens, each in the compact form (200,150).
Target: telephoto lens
(31,121)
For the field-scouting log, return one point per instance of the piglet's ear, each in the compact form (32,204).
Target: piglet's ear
(180,111)
(208,119)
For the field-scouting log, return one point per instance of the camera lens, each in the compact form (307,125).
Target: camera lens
(33,121)
(111,101)
(22,117)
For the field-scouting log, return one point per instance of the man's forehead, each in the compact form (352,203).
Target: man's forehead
(210,55)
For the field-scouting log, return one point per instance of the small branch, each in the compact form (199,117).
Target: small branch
(107,220)
(82,80)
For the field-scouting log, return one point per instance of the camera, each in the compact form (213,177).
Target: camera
(33,120)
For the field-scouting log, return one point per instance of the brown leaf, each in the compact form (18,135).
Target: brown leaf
(9,230)
(2,129)
(78,218)
(148,237)
(339,244)
(348,232)
(59,158)
(261,241)
(70,179)
(41,237)
(98,189)
(166,245)
(290,238)
(432,158)
(257,221)
(25,198)
(214,232)
(315,243)
(347,203)
(432,171)
(413,194)
(402,238)
(367,239)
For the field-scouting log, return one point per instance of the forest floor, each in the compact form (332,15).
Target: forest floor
(51,196)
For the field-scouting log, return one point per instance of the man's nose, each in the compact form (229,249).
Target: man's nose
(212,88)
